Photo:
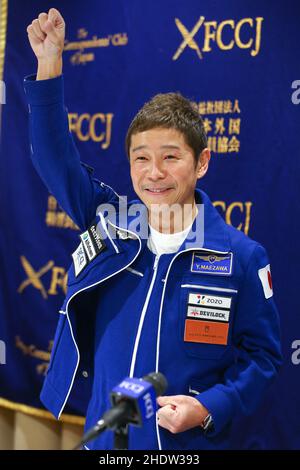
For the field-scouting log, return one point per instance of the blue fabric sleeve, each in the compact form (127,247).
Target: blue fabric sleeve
(55,156)
(256,342)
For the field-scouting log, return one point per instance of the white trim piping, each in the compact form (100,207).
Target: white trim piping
(76,367)
(160,314)
(142,318)
(81,290)
(107,185)
(134,271)
(107,233)
(217,289)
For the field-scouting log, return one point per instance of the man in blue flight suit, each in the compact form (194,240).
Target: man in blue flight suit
(192,298)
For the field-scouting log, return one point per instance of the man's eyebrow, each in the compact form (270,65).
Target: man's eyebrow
(140,147)
(167,146)
(170,146)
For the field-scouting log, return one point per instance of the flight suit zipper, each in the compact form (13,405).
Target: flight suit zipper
(142,317)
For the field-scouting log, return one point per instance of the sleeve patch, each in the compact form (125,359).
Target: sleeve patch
(266,280)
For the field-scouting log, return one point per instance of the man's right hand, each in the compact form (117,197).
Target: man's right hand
(46,35)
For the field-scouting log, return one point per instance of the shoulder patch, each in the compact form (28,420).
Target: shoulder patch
(79,259)
(266,280)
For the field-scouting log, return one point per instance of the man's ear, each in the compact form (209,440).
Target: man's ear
(203,162)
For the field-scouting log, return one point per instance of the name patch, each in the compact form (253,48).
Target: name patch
(210,263)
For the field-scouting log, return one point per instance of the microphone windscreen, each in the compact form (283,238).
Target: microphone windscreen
(159,382)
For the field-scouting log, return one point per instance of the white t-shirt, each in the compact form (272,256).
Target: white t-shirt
(160,243)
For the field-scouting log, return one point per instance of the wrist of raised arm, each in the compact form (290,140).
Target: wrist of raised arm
(49,68)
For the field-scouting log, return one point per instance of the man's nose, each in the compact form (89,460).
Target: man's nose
(156,171)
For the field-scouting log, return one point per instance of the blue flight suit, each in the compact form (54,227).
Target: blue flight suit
(128,312)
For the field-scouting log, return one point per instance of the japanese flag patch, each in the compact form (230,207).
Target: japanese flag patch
(266,280)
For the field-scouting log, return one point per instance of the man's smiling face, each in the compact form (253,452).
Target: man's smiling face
(163,168)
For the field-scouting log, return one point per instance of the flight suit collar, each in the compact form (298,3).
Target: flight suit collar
(209,226)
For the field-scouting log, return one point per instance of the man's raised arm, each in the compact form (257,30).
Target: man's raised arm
(46,35)
(53,151)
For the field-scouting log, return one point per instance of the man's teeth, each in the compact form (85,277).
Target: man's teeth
(157,190)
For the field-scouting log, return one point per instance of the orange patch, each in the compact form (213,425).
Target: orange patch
(206,332)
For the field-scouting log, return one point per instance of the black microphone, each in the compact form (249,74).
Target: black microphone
(133,402)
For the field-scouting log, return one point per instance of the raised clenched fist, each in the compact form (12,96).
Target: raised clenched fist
(46,35)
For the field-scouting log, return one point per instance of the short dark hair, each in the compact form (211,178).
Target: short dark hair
(170,111)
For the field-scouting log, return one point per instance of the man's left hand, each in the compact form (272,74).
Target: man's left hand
(179,413)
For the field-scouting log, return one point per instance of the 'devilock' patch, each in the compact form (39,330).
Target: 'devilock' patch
(210,263)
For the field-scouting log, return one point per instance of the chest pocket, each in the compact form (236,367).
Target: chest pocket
(206,318)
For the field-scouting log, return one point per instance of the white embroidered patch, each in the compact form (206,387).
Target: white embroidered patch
(208,313)
(209,300)
(266,280)
(79,259)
